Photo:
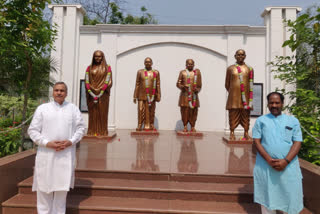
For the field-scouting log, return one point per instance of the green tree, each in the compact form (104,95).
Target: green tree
(303,71)
(117,17)
(98,11)
(111,12)
(26,40)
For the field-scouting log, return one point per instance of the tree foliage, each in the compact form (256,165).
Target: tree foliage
(117,17)
(111,12)
(10,119)
(303,71)
(26,40)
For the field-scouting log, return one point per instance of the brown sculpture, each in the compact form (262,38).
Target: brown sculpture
(239,84)
(189,82)
(148,92)
(98,84)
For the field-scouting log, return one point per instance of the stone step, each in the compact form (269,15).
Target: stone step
(80,204)
(135,175)
(156,189)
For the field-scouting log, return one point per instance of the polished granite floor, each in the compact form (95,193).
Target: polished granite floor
(167,153)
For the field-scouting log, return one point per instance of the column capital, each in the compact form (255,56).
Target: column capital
(268,9)
(78,6)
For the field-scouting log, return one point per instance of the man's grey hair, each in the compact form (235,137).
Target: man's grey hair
(61,83)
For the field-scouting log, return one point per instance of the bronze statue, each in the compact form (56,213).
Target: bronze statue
(148,92)
(98,85)
(239,84)
(189,82)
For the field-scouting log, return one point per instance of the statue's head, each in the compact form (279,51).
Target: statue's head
(190,64)
(148,63)
(98,58)
(240,56)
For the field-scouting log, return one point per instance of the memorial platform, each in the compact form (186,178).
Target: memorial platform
(156,174)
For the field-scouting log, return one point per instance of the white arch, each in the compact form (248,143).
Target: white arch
(171,43)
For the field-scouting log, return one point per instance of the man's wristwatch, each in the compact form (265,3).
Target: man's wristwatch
(287,160)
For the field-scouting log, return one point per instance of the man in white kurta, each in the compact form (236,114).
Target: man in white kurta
(56,127)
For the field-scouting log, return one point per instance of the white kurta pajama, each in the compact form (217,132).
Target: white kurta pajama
(54,170)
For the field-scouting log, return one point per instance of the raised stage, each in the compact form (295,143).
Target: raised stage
(155,174)
(167,153)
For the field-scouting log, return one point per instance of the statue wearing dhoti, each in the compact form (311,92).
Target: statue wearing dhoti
(189,82)
(239,84)
(147,92)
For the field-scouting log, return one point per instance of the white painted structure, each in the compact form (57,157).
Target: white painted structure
(126,47)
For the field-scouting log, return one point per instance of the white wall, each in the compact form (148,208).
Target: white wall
(126,47)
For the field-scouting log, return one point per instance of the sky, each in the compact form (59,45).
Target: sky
(211,12)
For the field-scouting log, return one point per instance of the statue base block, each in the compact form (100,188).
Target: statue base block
(109,137)
(189,134)
(237,141)
(145,132)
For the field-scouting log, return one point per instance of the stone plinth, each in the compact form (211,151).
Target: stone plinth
(189,134)
(108,138)
(145,132)
(226,140)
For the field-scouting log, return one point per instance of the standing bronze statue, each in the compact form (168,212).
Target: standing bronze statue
(148,92)
(98,85)
(189,82)
(239,84)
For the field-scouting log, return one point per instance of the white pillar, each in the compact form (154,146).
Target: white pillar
(67,18)
(277,32)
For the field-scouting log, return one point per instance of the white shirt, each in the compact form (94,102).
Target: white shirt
(54,170)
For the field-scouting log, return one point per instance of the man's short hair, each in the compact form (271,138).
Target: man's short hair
(277,93)
(61,83)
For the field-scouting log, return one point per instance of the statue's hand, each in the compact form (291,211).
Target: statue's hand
(158,100)
(134,100)
(186,88)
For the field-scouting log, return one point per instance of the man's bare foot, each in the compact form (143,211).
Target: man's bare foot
(193,129)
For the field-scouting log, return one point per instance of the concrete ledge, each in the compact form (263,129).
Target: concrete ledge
(14,169)
(176,29)
(311,185)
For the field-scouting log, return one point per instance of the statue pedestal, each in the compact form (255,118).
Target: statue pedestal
(189,134)
(145,132)
(225,139)
(108,138)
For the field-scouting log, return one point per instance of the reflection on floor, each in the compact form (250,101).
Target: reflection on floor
(167,153)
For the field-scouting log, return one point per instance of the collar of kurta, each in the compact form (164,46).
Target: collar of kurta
(275,117)
(57,104)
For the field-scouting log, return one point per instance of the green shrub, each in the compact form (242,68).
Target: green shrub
(9,142)
(11,117)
